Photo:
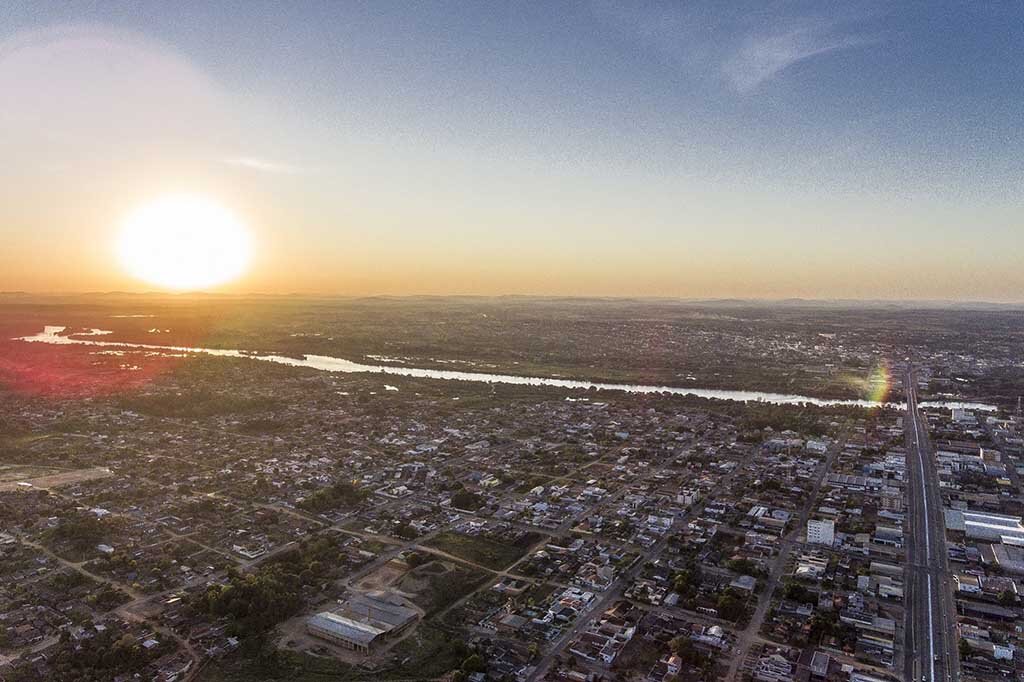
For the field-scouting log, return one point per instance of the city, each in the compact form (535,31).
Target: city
(504,341)
(224,513)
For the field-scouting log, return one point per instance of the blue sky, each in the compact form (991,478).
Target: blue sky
(617,127)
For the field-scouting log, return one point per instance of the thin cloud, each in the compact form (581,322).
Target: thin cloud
(264,165)
(761,58)
(739,49)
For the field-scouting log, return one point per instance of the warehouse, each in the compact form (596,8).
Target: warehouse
(363,621)
(980,526)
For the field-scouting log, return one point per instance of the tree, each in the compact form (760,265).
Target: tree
(463,499)
(794,591)
(676,644)
(742,566)
(686,581)
(683,647)
(258,601)
(964,648)
(405,531)
(415,559)
(729,607)
(473,664)
(341,493)
(824,624)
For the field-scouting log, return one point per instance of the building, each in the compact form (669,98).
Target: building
(984,526)
(363,620)
(821,532)
(963,416)
(968,584)
(1009,558)
(817,447)
(819,665)
(744,583)
(344,632)
(773,668)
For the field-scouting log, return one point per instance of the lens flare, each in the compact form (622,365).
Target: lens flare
(880,383)
(876,386)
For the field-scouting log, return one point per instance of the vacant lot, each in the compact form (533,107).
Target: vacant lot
(484,551)
(21,472)
(435,585)
(383,577)
(12,477)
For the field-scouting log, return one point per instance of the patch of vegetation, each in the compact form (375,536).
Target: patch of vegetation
(77,534)
(198,404)
(431,653)
(464,499)
(428,653)
(405,531)
(104,656)
(484,551)
(744,567)
(256,602)
(437,588)
(270,664)
(731,607)
(264,425)
(339,494)
(692,657)
(687,581)
(794,591)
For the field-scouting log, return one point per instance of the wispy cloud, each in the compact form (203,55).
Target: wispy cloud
(761,58)
(735,47)
(264,165)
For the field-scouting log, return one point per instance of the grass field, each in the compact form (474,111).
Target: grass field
(484,551)
(437,584)
(427,654)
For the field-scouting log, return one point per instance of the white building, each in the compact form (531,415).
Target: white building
(963,416)
(821,532)
(984,526)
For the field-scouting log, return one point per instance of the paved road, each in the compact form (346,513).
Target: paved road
(751,634)
(931,641)
(618,588)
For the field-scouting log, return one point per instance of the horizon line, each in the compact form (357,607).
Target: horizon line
(790,300)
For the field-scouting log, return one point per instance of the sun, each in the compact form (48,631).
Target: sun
(184,242)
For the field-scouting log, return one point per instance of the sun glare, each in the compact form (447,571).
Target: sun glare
(184,242)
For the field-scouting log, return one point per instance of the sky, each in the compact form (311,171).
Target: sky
(682,149)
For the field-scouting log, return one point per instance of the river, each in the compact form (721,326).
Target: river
(53,335)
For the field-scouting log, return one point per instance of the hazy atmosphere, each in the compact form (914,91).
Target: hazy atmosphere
(437,341)
(825,150)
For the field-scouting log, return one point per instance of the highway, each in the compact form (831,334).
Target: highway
(930,624)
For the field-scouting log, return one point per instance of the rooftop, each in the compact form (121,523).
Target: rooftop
(352,630)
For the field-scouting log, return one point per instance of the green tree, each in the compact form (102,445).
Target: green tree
(729,607)
(463,499)
(473,664)
(687,581)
